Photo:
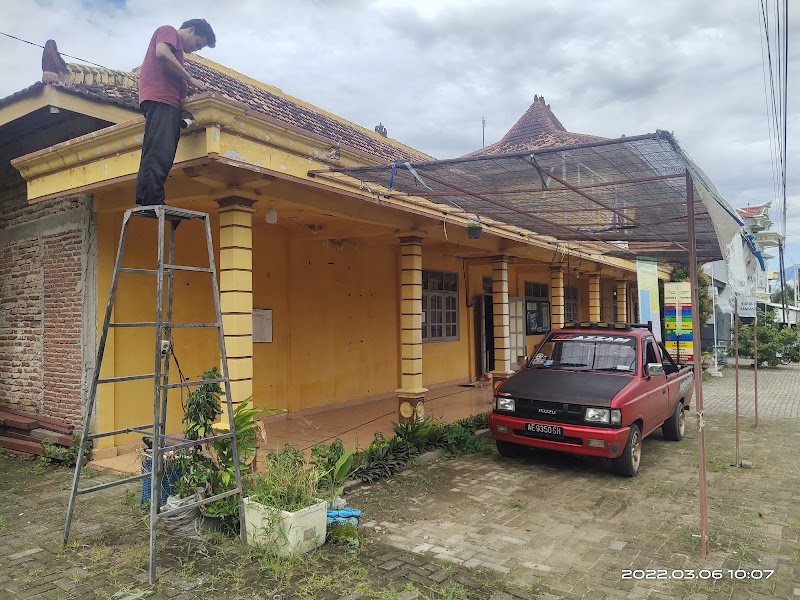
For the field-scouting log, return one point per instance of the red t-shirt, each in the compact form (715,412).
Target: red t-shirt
(155,82)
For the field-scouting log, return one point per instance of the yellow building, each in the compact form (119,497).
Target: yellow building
(355,296)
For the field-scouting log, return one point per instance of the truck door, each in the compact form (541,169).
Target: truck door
(657,387)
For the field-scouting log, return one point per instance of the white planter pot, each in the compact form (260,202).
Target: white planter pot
(287,532)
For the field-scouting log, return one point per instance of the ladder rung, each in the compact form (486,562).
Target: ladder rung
(138,429)
(186,507)
(116,482)
(140,271)
(188,268)
(190,443)
(127,378)
(190,383)
(166,268)
(163,324)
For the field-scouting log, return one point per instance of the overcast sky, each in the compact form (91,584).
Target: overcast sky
(429,70)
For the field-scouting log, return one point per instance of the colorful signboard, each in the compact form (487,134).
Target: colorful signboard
(647,282)
(678,320)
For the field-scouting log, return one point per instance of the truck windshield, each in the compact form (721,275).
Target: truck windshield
(586,352)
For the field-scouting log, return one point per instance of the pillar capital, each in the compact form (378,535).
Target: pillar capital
(235,203)
(556,269)
(411,236)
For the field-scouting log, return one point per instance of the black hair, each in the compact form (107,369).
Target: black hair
(203,29)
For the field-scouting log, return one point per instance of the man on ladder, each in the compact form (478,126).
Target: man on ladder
(163,84)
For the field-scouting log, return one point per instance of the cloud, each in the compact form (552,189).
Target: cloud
(430,70)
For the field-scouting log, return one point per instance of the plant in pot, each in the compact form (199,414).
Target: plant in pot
(282,509)
(249,431)
(208,469)
(336,464)
(474,229)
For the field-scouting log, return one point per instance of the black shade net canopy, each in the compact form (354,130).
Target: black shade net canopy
(627,196)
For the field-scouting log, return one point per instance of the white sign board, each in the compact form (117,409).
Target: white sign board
(262,325)
(747,306)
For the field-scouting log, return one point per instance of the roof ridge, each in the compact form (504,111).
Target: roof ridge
(280,93)
(81,74)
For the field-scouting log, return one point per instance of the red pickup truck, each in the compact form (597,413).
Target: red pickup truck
(595,389)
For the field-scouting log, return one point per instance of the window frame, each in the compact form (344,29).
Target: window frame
(537,301)
(434,284)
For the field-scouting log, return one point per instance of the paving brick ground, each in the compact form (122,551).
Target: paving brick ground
(546,526)
(564,527)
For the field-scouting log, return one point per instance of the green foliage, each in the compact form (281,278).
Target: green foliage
(772,339)
(335,463)
(413,431)
(383,457)
(475,422)
(460,440)
(706,304)
(68,455)
(289,483)
(778,295)
(203,407)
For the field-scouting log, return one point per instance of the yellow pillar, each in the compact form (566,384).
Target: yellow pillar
(411,394)
(622,300)
(556,297)
(500,315)
(236,293)
(594,296)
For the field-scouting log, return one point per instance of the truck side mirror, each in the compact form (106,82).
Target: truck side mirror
(654,369)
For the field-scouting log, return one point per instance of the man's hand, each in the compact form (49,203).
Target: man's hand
(197,84)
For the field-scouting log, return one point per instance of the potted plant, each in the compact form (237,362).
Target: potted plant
(335,463)
(474,229)
(282,509)
(208,469)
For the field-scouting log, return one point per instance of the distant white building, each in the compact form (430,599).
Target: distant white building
(759,225)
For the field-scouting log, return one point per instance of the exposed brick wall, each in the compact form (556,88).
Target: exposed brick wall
(62,352)
(43,289)
(20,326)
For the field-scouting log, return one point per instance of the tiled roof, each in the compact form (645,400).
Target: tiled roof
(538,128)
(105,85)
(752,212)
(121,88)
(274,103)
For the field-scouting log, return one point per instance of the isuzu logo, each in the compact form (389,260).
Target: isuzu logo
(548,411)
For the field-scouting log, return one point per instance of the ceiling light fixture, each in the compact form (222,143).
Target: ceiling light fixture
(272,214)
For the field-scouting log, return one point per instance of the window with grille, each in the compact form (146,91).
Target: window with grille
(439,306)
(571,303)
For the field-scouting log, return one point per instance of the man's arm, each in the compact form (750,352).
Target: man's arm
(171,64)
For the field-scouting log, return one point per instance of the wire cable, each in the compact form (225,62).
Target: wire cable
(13,37)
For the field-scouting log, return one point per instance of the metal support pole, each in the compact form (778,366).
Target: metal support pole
(736,346)
(698,367)
(755,365)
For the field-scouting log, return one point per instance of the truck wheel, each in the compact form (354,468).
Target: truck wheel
(674,427)
(627,464)
(508,450)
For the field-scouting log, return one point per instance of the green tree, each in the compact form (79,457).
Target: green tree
(706,305)
(772,339)
(777,296)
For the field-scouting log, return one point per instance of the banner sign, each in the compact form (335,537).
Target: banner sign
(647,282)
(747,306)
(678,320)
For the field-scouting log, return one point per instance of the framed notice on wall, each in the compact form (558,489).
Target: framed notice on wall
(537,317)
(262,325)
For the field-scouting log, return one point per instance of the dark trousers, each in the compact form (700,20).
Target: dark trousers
(162,130)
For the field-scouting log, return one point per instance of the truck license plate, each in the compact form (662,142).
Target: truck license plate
(546,431)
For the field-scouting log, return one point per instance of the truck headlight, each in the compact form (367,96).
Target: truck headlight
(505,403)
(597,415)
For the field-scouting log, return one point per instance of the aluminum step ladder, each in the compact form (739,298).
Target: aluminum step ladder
(163,324)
